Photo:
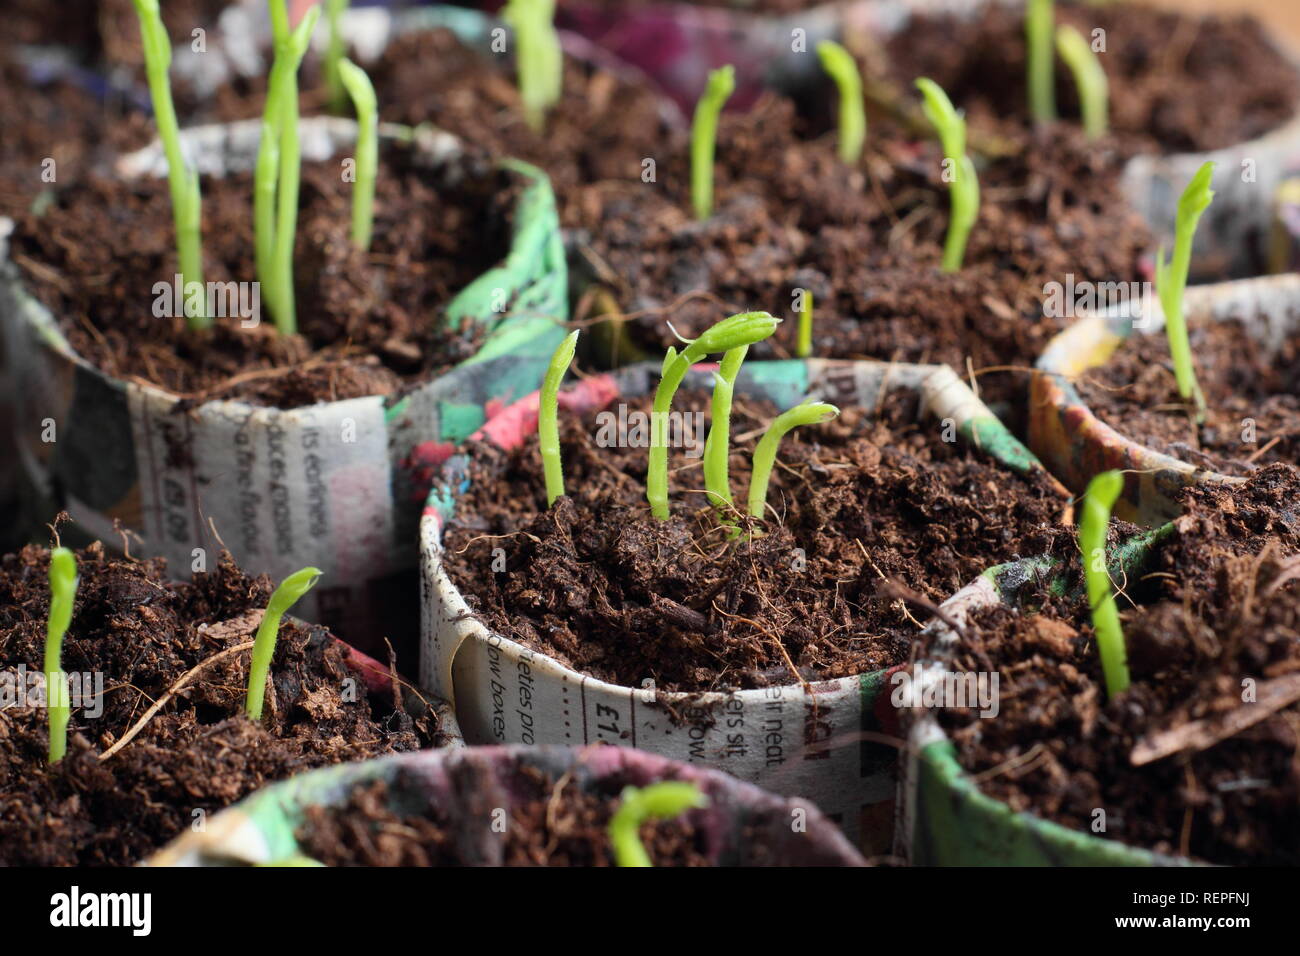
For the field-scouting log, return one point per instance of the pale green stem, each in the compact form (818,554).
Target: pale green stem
(804,345)
(334,55)
(1039,20)
(286,595)
(807,412)
(704,135)
(1171,281)
(717,446)
(548,417)
(843,69)
(1089,79)
(1101,495)
(362,92)
(63,591)
(659,801)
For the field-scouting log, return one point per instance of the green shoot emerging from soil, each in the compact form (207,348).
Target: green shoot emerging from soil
(803,347)
(1097,502)
(1039,18)
(736,332)
(362,93)
(659,801)
(704,135)
(1089,77)
(717,447)
(806,412)
(275,180)
(187,202)
(538,57)
(334,55)
(1171,280)
(286,595)
(63,589)
(843,69)
(548,423)
(959,171)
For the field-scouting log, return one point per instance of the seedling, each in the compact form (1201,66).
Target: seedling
(1089,77)
(963,183)
(731,333)
(717,481)
(362,93)
(1097,503)
(538,57)
(286,595)
(803,347)
(63,589)
(843,69)
(659,801)
(183,180)
(1171,280)
(704,135)
(334,10)
(806,412)
(276,177)
(548,425)
(1039,17)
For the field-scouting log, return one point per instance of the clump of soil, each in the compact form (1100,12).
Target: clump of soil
(199,752)
(369,323)
(1218,606)
(600,585)
(1252,395)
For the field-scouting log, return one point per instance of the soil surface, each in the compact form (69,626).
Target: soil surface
(600,585)
(369,324)
(1252,397)
(1218,605)
(199,752)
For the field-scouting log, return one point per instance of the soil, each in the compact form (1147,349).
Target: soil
(200,752)
(1219,605)
(1136,393)
(369,324)
(601,586)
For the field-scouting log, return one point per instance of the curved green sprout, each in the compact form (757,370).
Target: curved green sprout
(843,69)
(187,202)
(1171,280)
(548,424)
(964,189)
(539,59)
(1039,18)
(1089,77)
(803,347)
(717,446)
(336,93)
(806,412)
(63,590)
(286,595)
(734,332)
(659,801)
(1097,502)
(704,135)
(362,92)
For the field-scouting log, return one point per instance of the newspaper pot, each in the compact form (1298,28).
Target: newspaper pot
(337,485)
(822,743)
(1075,444)
(468,784)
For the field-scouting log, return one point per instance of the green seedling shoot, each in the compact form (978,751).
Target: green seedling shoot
(337,95)
(704,136)
(548,421)
(183,181)
(737,331)
(659,801)
(806,412)
(959,171)
(276,176)
(538,57)
(63,589)
(1171,280)
(1039,67)
(843,69)
(717,446)
(803,346)
(286,595)
(1089,77)
(1100,497)
(362,93)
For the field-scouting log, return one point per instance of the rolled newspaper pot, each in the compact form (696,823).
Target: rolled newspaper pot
(821,741)
(466,787)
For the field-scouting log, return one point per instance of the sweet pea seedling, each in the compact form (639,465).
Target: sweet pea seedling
(548,424)
(538,57)
(1097,503)
(1171,280)
(362,93)
(803,347)
(183,181)
(704,135)
(336,93)
(659,801)
(963,185)
(286,595)
(1089,77)
(1039,18)
(806,412)
(717,446)
(843,69)
(63,589)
